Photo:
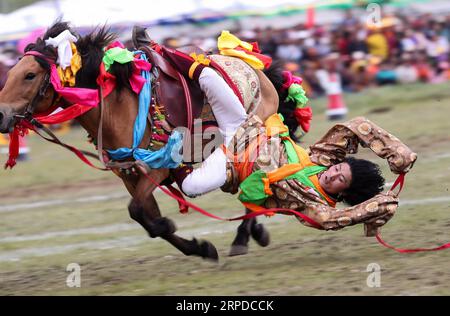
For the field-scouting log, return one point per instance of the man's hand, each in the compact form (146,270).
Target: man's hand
(402,159)
(387,205)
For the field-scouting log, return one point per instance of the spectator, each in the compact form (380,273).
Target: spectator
(331,82)
(423,67)
(377,43)
(405,71)
(437,46)
(386,74)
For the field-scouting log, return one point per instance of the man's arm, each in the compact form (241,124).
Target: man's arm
(343,139)
(375,211)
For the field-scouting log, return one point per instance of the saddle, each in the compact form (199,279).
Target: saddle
(182,98)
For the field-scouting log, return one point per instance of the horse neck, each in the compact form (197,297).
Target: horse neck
(119,113)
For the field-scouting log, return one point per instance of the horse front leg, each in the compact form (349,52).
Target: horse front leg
(144,209)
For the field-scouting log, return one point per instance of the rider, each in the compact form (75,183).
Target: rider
(284,175)
(229,113)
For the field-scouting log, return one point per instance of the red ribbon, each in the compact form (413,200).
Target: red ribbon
(21,129)
(401,250)
(107,80)
(184,206)
(400,181)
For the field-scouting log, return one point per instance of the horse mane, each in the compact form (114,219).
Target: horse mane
(90,48)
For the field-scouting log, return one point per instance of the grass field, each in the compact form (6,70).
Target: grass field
(56,211)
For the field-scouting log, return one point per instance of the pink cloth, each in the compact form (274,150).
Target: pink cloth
(88,97)
(290,79)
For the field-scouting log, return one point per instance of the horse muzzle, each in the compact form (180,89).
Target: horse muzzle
(6,120)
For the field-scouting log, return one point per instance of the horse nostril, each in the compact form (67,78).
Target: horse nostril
(1,117)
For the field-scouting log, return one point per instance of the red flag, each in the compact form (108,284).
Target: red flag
(310,17)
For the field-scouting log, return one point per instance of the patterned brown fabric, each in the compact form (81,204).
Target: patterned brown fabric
(244,77)
(340,140)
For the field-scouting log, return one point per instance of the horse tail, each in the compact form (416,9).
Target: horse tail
(285,108)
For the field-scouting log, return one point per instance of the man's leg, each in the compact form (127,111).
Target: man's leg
(209,176)
(228,110)
(229,113)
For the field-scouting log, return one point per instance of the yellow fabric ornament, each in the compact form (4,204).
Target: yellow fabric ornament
(200,59)
(67,75)
(228,45)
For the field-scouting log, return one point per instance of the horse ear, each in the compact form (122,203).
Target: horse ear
(57,28)
(140,37)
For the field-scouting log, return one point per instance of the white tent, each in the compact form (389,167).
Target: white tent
(87,13)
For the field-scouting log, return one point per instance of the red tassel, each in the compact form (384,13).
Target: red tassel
(19,131)
(184,208)
(255,47)
(13,148)
(304,117)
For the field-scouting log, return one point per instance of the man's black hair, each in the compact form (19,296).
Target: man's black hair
(367,181)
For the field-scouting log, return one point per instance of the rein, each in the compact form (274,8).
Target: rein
(29,120)
(400,181)
(263,211)
(36,126)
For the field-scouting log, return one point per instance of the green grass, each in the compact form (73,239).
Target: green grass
(117,258)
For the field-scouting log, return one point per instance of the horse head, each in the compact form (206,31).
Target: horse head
(30,85)
(27,91)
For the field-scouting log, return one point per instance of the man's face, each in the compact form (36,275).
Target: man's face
(336,179)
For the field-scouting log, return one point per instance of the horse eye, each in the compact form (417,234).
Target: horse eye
(30,76)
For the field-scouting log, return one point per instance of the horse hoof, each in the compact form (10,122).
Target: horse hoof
(208,251)
(238,250)
(261,235)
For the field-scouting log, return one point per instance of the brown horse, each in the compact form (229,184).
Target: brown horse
(25,90)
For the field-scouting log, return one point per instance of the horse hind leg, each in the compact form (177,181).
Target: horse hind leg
(260,234)
(249,227)
(240,243)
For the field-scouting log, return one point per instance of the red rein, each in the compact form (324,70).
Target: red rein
(400,181)
(184,205)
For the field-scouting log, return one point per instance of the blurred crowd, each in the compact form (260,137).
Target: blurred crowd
(402,49)
(334,59)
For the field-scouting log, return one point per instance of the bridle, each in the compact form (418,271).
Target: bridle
(31,107)
(27,118)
